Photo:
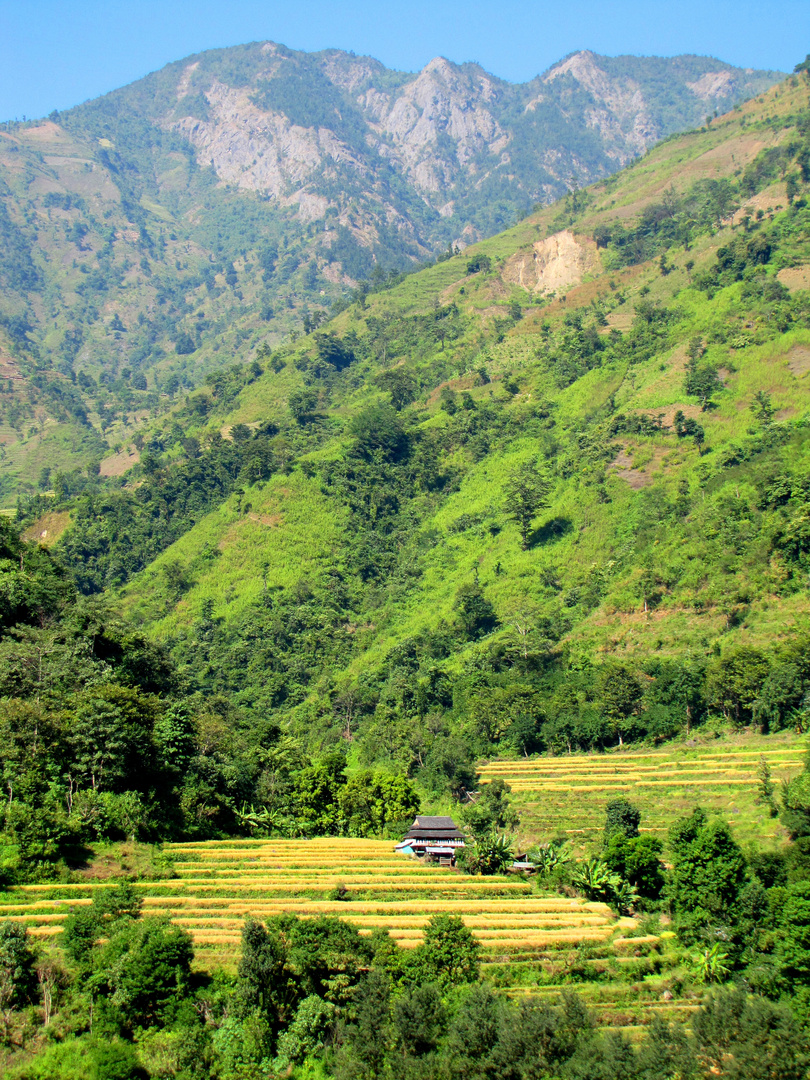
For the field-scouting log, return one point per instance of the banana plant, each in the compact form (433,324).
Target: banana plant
(595,880)
(549,856)
(492,854)
(711,965)
(625,898)
(253,819)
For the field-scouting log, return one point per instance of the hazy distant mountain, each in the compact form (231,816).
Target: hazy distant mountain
(397,158)
(155,233)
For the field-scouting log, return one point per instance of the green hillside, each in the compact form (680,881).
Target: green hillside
(547,495)
(655,406)
(522,538)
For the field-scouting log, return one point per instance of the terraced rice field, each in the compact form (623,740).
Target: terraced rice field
(532,944)
(219,884)
(567,794)
(527,939)
(618,1004)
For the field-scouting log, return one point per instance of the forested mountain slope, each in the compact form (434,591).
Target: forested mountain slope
(151,236)
(479,512)
(549,494)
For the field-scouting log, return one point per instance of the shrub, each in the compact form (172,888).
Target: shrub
(308,1032)
(492,854)
(449,954)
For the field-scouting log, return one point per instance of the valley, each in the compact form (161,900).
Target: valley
(362,461)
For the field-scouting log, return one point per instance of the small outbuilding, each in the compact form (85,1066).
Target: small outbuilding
(432,837)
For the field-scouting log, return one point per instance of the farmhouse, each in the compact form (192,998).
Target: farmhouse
(435,837)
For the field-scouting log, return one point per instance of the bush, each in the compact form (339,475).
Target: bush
(184,344)
(449,954)
(476,615)
(145,970)
(740,1036)
(622,817)
(491,810)
(479,264)
(84,1059)
(17,978)
(492,854)
(307,1033)
(378,433)
(637,860)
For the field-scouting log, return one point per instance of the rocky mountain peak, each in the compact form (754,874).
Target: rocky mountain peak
(582,65)
(266,181)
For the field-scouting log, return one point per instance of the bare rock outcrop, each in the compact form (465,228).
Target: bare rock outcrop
(391,156)
(259,150)
(554,264)
(621,114)
(441,102)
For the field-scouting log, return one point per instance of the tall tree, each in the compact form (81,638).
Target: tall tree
(449,955)
(708,874)
(527,491)
(17,977)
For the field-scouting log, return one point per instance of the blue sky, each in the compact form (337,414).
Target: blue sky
(57,53)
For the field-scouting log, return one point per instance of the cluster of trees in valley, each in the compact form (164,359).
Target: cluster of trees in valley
(102,739)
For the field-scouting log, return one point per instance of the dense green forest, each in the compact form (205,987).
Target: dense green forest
(472,514)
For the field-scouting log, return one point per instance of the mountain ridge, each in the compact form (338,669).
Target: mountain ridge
(131,268)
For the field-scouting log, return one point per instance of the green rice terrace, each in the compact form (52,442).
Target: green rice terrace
(566,795)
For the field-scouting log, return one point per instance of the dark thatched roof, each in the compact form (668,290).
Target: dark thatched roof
(435,829)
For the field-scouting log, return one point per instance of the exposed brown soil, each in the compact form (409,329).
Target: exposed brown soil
(47,131)
(273,521)
(622,466)
(620,319)
(461,382)
(798,359)
(118,464)
(104,867)
(766,200)
(48,528)
(668,413)
(795,277)
(554,264)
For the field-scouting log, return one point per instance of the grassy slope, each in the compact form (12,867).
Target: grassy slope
(598,529)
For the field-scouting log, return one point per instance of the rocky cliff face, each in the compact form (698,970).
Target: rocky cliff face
(619,113)
(441,105)
(451,136)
